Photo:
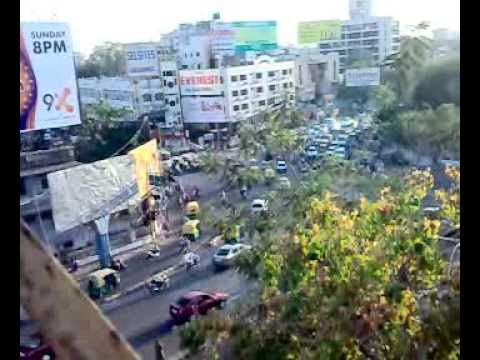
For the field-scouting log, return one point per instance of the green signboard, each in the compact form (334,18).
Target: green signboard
(255,35)
(311,32)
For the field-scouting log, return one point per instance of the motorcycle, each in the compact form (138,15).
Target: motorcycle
(153,253)
(118,265)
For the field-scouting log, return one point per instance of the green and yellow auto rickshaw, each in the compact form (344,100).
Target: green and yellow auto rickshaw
(192,210)
(191,229)
(232,234)
(102,283)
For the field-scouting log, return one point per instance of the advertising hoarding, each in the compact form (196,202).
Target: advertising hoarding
(203,109)
(86,192)
(48,87)
(255,35)
(141,60)
(222,40)
(200,82)
(147,162)
(362,77)
(311,32)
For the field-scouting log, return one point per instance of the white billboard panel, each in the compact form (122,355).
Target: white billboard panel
(362,77)
(48,87)
(141,60)
(203,109)
(200,82)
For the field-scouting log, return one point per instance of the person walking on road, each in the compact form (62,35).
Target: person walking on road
(223,198)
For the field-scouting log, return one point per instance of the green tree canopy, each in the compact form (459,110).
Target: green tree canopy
(107,59)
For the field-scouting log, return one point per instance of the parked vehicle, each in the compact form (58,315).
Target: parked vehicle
(33,348)
(196,303)
(259,206)
(192,210)
(102,283)
(225,256)
(281,166)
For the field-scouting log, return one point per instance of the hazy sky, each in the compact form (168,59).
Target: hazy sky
(95,21)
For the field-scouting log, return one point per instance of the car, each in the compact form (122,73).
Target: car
(340,152)
(196,303)
(283,183)
(259,206)
(281,166)
(33,348)
(312,152)
(225,256)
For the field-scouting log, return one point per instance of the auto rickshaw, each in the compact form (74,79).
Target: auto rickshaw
(269,176)
(102,283)
(232,234)
(191,229)
(192,210)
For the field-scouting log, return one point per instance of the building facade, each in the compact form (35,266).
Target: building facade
(373,38)
(252,89)
(117,92)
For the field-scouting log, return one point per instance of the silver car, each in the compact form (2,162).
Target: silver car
(226,255)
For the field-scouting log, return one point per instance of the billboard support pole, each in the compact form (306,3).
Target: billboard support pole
(103,241)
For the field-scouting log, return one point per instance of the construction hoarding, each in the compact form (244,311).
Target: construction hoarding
(141,60)
(48,87)
(203,109)
(362,77)
(147,162)
(311,32)
(200,82)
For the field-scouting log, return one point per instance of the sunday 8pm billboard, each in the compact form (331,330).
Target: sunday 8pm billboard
(48,85)
(141,60)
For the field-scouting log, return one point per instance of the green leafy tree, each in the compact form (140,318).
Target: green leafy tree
(107,59)
(349,283)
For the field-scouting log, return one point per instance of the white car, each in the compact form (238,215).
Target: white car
(225,256)
(283,183)
(259,206)
(281,166)
(340,152)
(312,152)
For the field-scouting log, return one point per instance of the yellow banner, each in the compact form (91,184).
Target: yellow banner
(147,162)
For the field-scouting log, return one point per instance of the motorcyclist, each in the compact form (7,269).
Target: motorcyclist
(184,245)
(191,259)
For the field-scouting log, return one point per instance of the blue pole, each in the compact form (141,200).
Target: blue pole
(103,242)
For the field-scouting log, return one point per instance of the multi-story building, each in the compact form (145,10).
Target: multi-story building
(445,43)
(373,38)
(251,89)
(171,94)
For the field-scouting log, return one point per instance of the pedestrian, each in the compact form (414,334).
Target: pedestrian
(196,192)
(223,197)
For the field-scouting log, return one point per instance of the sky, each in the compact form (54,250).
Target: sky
(93,22)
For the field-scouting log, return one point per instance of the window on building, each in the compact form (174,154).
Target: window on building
(259,89)
(261,102)
(236,107)
(221,79)
(355,35)
(191,55)
(290,71)
(147,97)
(325,46)
(158,97)
(258,75)
(244,106)
(243,77)
(243,92)
(271,101)
(370,33)
(199,66)
(284,72)
(168,73)
(235,93)
(271,87)
(198,54)
(271,73)
(285,85)
(166,101)
(44,182)
(233,78)
(23,189)
(292,97)
(172,103)
(184,67)
(164,82)
(291,84)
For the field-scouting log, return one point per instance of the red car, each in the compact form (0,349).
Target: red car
(32,348)
(196,303)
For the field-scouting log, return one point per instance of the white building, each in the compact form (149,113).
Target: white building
(115,91)
(360,9)
(251,89)
(171,94)
(194,52)
(149,94)
(375,37)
